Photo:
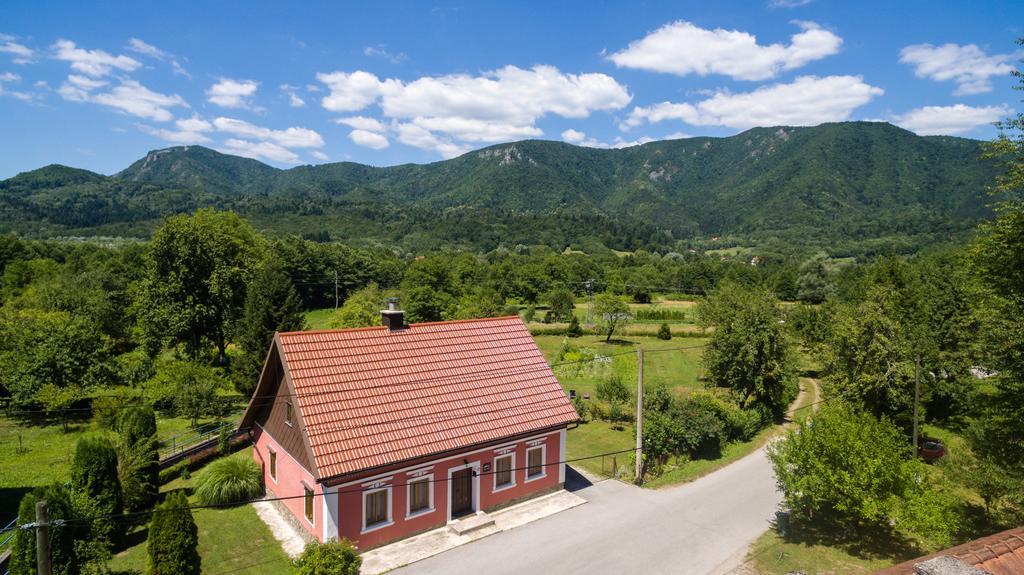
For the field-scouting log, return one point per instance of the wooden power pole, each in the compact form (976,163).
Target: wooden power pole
(335,289)
(639,413)
(43,564)
(917,397)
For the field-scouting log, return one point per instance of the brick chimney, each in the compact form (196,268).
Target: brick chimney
(393,318)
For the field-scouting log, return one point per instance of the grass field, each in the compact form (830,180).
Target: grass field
(318,318)
(233,540)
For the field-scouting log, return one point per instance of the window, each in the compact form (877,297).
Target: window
(503,472)
(273,465)
(535,462)
(308,502)
(375,507)
(288,412)
(419,495)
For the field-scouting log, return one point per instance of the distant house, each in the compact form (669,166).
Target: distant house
(999,554)
(374,434)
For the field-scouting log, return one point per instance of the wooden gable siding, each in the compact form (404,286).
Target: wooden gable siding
(269,406)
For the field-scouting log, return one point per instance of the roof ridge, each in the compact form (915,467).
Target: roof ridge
(381,327)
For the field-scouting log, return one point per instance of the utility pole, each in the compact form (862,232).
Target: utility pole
(590,301)
(639,413)
(43,564)
(917,396)
(335,289)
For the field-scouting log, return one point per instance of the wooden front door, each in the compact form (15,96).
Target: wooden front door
(462,492)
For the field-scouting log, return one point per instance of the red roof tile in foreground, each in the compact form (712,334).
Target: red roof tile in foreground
(371,396)
(999,554)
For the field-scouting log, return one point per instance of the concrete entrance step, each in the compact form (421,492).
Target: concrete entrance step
(475,522)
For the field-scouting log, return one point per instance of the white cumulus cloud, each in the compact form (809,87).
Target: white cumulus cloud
(580,139)
(444,113)
(21,53)
(95,63)
(293,137)
(368,139)
(260,151)
(187,131)
(969,66)
(140,47)
(129,97)
(362,123)
(684,48)
(807,101)
(950,120)
(229,93)
(294,100)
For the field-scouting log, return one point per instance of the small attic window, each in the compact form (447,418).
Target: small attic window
(288,412)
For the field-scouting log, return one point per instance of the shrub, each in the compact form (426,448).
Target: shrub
(62,540)
(173,538)
(331,558)
(842,463)
(173,472)
(94,476)
(664,332)
(574,329)
(581,407)
(229,480)
(531,312)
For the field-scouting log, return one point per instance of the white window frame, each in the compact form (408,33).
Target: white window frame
(409,513)
(310,520)
(495,488)
(272,471)
(543,463)
(389,521)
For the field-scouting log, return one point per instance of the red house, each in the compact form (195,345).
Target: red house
(378,433)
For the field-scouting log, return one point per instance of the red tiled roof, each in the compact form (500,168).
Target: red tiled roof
(371,396)
(999,554)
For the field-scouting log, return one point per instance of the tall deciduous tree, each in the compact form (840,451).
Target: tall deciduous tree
(271,305)
(195,283)
(749,351)
(611,312)
(998,259)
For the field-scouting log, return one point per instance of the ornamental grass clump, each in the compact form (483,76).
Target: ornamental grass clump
(229,480)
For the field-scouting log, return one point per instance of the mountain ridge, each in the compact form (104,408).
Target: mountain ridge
(856,181)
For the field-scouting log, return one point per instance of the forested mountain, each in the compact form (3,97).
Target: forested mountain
(849,187)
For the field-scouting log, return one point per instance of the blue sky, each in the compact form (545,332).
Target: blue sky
(97,85)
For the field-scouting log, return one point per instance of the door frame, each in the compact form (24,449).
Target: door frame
(474,485)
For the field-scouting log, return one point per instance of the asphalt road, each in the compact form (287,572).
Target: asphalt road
(703,527)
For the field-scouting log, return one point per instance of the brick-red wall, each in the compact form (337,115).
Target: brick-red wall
(350,498)
(290,477)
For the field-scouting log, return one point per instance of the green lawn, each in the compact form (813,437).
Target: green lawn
(318,318)
(772,555)
(233,540)
(677,369)
(600,437)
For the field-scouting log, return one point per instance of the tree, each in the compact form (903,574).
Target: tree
(749,351)
(271,305)
(173,545)
(813,284)
(613,391)
(57,400)
(361,309)
(50,348)
(62,540)
(424,304)
(194,287)
(842,464)
(664,332)
(562,304)
(138,460)
(611,311)
(94,476)
(997,258)
(189,388)
(337,557)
